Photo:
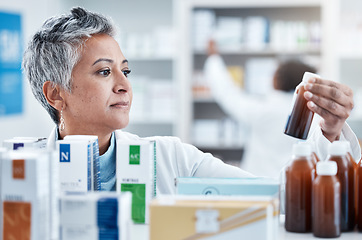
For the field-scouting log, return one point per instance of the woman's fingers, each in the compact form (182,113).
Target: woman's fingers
(333,91)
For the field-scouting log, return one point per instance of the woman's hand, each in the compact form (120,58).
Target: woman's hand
(332,101)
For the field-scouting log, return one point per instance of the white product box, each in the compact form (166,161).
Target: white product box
(136,172)
(87,215)
(214,217)
(25,194)
(90,233)
(74,157)
(24,142)
(54,194)
(227,186)
(95,164)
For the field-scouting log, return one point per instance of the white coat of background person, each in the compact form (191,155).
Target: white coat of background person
(267,148)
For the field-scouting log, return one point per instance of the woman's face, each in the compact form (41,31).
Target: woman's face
(101,94)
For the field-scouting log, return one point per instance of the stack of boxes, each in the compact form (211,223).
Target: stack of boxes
(217,208)
(34,181)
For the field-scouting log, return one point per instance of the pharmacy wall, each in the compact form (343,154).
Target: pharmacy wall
(32,120)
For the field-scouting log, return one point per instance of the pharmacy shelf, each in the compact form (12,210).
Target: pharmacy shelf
(191,58)
(265,52)
(150,58)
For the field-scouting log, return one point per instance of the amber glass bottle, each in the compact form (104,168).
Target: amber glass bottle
(326,201)
(359,177)
(338,153)
(299,176)
(355,173)
(300,119)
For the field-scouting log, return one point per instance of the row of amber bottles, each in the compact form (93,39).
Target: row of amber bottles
(333,196)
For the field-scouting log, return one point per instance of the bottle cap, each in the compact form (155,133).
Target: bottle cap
(309,75)
(326,168)
(302,149)
(337,148)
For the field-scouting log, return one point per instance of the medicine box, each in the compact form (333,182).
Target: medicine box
(213,217)
(25,195)
(91,215)
(24,142)
(95,164)
(2,152)
(227,186)
(74,158)
(136,172)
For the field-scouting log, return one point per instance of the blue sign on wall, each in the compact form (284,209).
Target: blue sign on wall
(11,80)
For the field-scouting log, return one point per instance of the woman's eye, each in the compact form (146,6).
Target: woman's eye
(126,72)
(105,72)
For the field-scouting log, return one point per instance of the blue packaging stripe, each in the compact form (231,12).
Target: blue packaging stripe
(89,169)
(96,166)
(108,234)
(107,212)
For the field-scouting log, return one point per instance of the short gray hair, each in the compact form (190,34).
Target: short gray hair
(53,51)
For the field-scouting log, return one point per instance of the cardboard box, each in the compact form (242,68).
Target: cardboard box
(74,165)
(213,217)
(95,164)
(2,152)
(25,194)
(227,186)
(136,172)
(86,215)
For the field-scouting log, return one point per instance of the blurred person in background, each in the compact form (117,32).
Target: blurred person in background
(267,148)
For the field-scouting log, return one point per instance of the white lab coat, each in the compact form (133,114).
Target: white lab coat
(267,148)
(177,159)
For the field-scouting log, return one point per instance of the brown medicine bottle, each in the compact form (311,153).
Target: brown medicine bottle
(299,176)
(355,173)
(300,119)
(345,173)
(359,177)
(326,201)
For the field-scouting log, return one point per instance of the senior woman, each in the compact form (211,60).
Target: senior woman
(78,73)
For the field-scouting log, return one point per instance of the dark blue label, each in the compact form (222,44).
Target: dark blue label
(64,152)
(18,145)
(107,212)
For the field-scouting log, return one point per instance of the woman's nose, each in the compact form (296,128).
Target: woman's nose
(122,83)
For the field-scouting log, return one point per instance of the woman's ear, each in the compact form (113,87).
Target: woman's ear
(52,93)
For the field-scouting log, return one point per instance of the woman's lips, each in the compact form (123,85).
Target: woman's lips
(122,104)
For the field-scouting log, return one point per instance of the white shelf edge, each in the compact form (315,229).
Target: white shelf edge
(256,4)
(263,52)
(150,58)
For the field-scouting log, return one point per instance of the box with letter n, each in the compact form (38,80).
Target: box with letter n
(136,173)
(75,168)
